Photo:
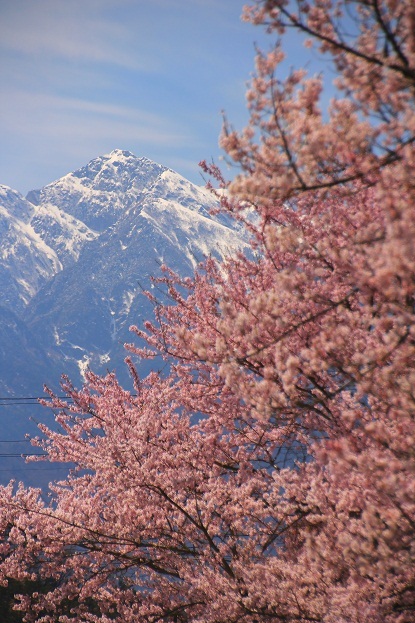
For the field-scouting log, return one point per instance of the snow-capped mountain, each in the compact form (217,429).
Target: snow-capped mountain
(26,261)
(76,255)
(100,192)
(64,233)
(139,215)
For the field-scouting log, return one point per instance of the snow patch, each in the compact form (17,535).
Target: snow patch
(127,300)
(83,365)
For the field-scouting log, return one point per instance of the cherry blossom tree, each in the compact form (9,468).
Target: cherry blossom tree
(270,476)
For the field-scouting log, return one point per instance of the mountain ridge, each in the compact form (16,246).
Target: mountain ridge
(75,258)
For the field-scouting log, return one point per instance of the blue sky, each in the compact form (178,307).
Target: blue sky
(82,77)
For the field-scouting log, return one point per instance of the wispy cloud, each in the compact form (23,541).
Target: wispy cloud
(72,118)
(71,30)
(81,77)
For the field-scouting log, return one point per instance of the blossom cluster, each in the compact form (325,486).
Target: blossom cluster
(269,475)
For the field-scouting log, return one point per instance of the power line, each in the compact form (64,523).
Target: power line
(12,470)
(5,401)
(14,401)
(21,455)
(10,398)
(16,404)
(32,399)
(14,440)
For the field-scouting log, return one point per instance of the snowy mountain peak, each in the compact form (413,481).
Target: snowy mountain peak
(123,155)
(120,153)
(98,193)
(75,256)
(15,202)
(118,165)
(91,241)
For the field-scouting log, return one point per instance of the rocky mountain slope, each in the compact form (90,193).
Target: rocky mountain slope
(75,257)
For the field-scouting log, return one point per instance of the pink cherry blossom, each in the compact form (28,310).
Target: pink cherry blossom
(270,475)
